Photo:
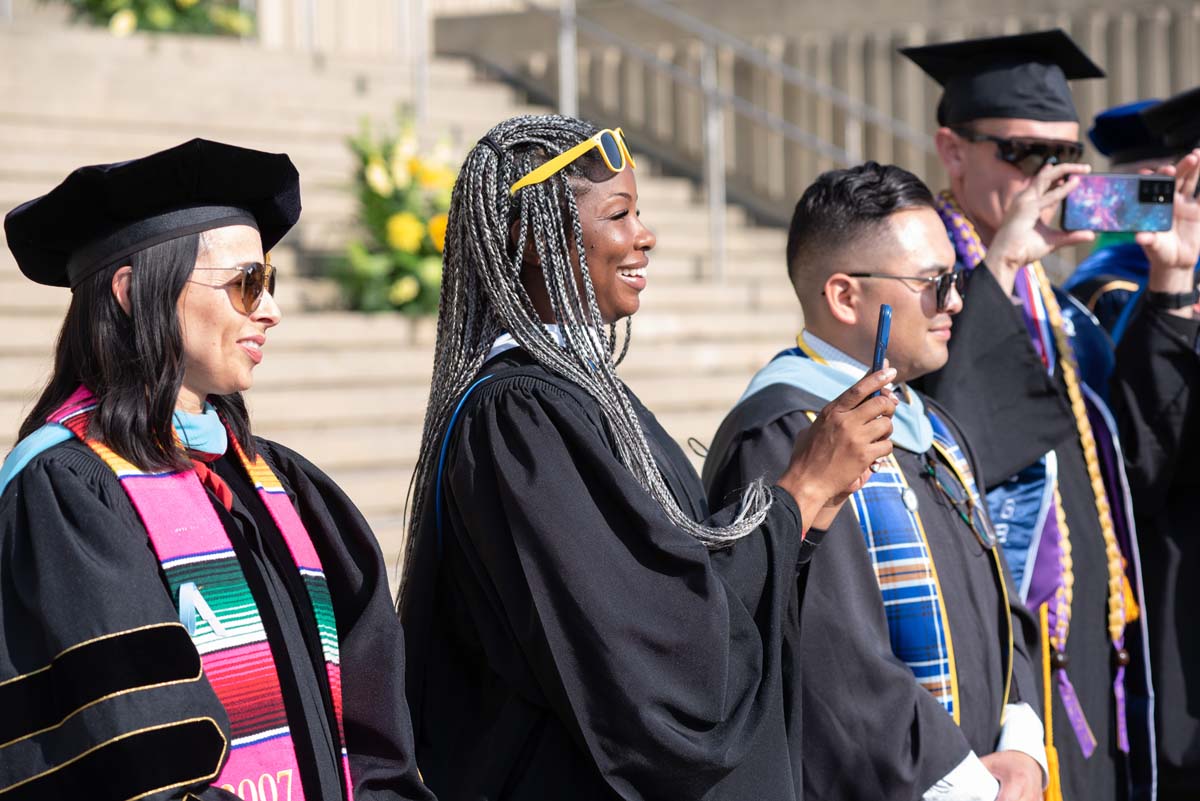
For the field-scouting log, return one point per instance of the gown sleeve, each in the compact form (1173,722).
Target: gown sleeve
(1154,391)
(379,735)
(656,655)
(995,386)
(101,687)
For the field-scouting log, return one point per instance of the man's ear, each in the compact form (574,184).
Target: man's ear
(122,280)
(951,149)
(841,294)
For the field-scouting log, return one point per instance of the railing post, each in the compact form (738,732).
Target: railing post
(310,25)
(714,159)
(568,60)
(420,65)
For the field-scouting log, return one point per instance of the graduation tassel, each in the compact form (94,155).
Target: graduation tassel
(1054,782)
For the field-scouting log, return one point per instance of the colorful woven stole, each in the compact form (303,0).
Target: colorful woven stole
(892,530)
(1043,319)
(210,590)
(912,597)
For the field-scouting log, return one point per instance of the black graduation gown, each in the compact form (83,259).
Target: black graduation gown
(870,731)
(92,655)
(1013,412)
(566,640)
(1156,400)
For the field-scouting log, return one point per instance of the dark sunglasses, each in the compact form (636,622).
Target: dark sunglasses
(256,278)
(968,509)
(954,278)
(1028,154)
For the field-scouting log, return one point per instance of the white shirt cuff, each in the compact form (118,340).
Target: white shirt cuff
(1023,731)
(969,781)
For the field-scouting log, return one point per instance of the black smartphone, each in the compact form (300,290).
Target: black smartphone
(882,331)
(1120,203)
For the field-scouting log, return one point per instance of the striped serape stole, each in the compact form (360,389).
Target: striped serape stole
(907,577)
(216,606)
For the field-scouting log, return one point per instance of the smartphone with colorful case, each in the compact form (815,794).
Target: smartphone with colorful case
(1120,203)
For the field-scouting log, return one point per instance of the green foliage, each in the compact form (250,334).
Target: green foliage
(123,17)
(403,198)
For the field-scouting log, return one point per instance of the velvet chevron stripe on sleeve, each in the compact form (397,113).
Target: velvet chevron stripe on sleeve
(217,608)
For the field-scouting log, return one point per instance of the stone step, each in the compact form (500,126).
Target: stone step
(219,55)
(368,366)
(42,66)
(467,122)
(79,98)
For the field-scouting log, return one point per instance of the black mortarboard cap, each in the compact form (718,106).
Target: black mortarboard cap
(1176,120)
(1023,76)
(102,214)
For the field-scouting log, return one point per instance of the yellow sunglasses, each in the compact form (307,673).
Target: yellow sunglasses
(611,143)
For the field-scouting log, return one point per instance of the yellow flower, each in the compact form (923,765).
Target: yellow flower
(186,4)
(437,231)
(377,178)
(406,288)
(123,23)
(432,176)
(405,232)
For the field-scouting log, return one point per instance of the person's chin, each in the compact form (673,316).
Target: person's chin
(936,359)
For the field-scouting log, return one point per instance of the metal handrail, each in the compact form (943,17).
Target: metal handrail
(715,100)
(736,102)
(786,72)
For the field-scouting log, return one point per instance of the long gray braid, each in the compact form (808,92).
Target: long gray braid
(482,295)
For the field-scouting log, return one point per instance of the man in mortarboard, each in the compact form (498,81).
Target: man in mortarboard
(1008,136)
(1143,135)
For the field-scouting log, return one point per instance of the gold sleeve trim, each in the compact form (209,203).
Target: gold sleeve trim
(91,641)
(205,778)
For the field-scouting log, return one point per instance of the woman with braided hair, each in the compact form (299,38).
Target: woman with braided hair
(578,624)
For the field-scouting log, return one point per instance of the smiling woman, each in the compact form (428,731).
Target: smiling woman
(179,599)
(579,625)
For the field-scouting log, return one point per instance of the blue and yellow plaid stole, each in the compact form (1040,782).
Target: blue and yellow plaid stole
(907,576)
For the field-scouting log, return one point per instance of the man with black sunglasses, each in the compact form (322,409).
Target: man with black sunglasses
(917,676)
(1008,136)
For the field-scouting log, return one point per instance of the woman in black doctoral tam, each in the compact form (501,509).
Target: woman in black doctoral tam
(212,623)
(579,625)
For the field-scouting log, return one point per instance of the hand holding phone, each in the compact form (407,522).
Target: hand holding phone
(882,331)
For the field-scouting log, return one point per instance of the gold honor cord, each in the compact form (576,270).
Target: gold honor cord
(1116,568)
(1054,779)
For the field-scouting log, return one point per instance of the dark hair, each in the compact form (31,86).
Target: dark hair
(842,207)
(132,362)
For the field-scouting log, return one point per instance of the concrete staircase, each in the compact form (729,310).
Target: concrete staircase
(347,390)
